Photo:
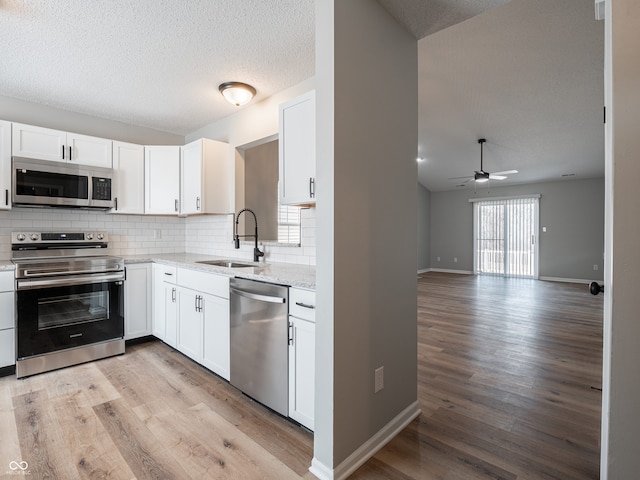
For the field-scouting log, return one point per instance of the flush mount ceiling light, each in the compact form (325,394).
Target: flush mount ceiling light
(237,93)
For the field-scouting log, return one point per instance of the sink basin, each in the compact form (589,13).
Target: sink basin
(226,263)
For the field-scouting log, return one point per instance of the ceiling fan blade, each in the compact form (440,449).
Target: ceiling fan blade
(505,172)
(458,178)
(493,176)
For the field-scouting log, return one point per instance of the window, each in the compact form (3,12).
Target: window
(288,224)
(505,240)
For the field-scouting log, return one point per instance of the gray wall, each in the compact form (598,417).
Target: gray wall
(366,201)
(19,111)
(424,222)
(572,211)
(621,388)
(261,189)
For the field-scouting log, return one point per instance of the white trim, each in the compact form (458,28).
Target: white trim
(368,449)
(513,197)
(424,270)
(569,280)
(448,270)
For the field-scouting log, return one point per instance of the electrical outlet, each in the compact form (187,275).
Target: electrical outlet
(595,267)
(438,259)
(455,259)
(544,229)
(379,379)
(157,234)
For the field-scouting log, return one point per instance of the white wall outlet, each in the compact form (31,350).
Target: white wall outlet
(157,234)
(438,259)
(595,267)
(544,229)
(379,379)
(455,259)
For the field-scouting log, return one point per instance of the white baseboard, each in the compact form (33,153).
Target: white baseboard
(367,449)
(447,270)
(569,280)
(424,270)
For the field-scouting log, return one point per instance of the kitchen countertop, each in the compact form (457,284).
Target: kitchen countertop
(6,265)
(302,276)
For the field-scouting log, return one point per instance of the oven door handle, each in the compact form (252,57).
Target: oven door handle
(26,284)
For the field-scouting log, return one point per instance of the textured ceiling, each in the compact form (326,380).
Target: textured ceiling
(153,63)
(526,74)
(528,77)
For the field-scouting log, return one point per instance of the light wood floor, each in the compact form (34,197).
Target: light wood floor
(505,379)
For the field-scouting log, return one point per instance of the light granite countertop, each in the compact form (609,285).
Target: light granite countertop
(6,265)
(302,276)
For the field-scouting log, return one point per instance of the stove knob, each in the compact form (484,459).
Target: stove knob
(20,237)
(34,236)
(89,236)
(100,236)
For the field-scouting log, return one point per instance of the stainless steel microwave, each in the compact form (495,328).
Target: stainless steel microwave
(45,183)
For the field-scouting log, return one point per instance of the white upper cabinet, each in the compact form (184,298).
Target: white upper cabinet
(5,165)
(207,180)
(54,145)
(128,178)
(87,150)
(161,180)
(297,150)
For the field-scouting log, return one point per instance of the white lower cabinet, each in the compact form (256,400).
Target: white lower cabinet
(165,304)
(302,351)
(137,301)
(7,320)
(203,319)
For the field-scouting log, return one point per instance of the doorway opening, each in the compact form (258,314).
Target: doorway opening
(505,237)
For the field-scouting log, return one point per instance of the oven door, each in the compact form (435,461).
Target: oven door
(58,313)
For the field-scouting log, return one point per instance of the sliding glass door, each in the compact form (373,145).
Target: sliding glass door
(505,237)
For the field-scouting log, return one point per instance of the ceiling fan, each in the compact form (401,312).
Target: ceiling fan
(481,175)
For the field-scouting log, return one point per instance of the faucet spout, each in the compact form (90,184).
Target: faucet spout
(257,253)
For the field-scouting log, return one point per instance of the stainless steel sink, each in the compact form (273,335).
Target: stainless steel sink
(226,263)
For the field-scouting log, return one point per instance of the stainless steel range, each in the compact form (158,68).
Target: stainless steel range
(70,300)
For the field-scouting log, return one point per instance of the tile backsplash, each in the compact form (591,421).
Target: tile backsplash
(148,234)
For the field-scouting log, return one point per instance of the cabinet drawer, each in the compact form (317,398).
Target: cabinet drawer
(6,310)
(204,282)
(302,304)
(165,273)
(6,281)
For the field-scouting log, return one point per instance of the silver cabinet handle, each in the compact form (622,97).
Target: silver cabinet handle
(290,340)
(175,205)
(168,274)
(197,203)
(173,295)
(305,305)
(312,187)
(256,296)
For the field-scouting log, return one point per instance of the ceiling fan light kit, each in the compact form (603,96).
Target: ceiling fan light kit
(481,176)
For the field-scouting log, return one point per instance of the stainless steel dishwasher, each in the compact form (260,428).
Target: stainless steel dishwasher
(259,342)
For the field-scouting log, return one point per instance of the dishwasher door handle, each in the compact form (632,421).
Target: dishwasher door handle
(257,296)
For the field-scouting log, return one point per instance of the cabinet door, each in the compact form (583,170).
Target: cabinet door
(128,178)
(191,178)
(86,150)
(7,347)
(5,165)
(302,350)
(297,150)
(190,315)
(161,179)
(171,314)
(216,335)
(164,300)
(40,143)
(137,301)
(7,301)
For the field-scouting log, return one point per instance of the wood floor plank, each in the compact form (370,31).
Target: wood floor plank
(143,453)
(43,446)
(91,448)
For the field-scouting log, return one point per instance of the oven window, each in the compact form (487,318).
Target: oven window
(46,184)
(61,311)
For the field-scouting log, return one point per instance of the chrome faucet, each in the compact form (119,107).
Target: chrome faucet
(236,238)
